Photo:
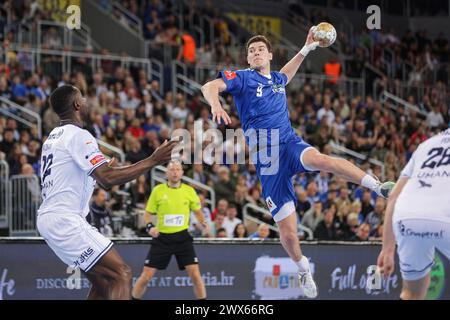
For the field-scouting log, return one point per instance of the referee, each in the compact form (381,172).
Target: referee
(172,203)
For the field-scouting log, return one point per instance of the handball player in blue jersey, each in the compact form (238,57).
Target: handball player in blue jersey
(260,98)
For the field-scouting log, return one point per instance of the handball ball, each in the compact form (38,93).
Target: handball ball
(325,33)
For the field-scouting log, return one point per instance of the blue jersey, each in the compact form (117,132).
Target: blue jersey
(260,100)
(261,104)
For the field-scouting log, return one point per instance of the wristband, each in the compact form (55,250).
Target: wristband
(308,48)
(149,227)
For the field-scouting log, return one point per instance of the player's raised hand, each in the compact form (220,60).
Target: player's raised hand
(310,43)
(220,113)
(164,152)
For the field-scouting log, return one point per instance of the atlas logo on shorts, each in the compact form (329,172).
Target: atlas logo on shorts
(272,206)
(84,257)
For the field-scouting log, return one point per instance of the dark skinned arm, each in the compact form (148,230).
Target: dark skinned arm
(108,175)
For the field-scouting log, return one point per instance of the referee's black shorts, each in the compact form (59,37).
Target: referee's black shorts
(168,244)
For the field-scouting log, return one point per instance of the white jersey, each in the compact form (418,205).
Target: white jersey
(426,195)
(69,155)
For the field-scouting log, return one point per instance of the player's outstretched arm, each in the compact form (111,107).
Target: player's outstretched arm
(211,92)
(386,258)
(108,176)
(290,69)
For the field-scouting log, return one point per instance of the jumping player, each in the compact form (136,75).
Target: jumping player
(71,163)
(261,103)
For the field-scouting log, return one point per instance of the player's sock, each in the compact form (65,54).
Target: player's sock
(303,264)
(370,182)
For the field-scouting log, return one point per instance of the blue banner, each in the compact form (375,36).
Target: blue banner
(30,270)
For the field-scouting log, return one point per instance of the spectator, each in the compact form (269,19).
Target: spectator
(136,129)
(375,218)
(231,221)
(197,173)
(224,188)
(8,141)
(312,192)
(222,206)
(139,191)
(362,234)
(135,154)
(262,233)
(187,48)
(303,205)
(435,118)
(313,216)
(241,191)
(221,233)
(250,176)
(343,199)
(366,204)
(197,229)
(351,227)
(99,215)
(217,224)
(326,229)
(326,111)
(377,234)
(240,231)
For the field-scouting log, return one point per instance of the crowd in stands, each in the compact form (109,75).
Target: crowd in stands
(128,111)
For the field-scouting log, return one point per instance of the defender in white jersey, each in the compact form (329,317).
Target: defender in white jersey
(71,163)
(418,216)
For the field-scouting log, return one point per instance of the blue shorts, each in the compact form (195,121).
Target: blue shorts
(276,179)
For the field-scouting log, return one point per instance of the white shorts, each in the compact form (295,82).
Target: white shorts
(75,242)
(416,242)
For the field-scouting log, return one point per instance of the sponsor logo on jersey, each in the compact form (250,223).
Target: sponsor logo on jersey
(91,153)
(272,206)
(97,159)
(230,74)
(278,88)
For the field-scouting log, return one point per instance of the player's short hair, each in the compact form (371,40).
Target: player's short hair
(258,38)
(62,99)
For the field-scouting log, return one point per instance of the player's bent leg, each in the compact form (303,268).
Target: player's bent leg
(193,271)
(289,239)
(99,288)
(141,283)
(312,159)
(415,289)
(118,274)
